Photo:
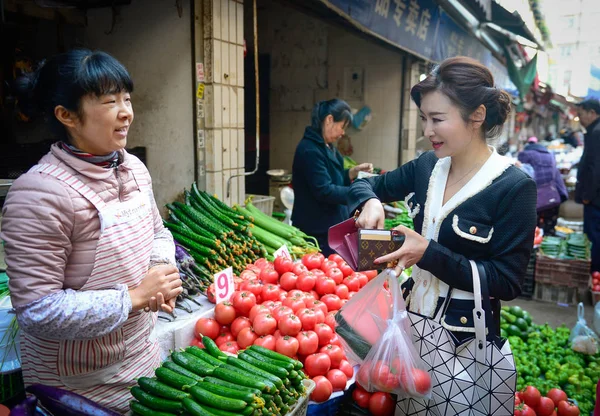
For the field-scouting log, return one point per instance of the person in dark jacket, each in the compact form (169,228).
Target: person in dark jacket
(467,201)
(587,190)
(550,185)
(321,183)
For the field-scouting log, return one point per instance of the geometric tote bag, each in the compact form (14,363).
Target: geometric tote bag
(474,378)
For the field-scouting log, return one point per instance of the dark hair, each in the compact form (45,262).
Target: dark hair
(468,84)
(590,104)
(65,79)
(339,109)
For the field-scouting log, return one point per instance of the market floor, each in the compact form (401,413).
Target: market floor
(553,314)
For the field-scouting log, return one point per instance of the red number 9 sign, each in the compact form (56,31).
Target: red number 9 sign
(224,286)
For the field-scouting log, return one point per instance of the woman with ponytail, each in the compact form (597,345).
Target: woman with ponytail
(321,184)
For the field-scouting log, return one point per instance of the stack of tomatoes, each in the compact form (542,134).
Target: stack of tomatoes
(530,402)
(290,308)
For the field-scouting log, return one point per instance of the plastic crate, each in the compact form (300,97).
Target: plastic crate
(262,202)
(528,284)
(301,407)
(565,295)
(566,273)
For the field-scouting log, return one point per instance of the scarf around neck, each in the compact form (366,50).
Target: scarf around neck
(107,161)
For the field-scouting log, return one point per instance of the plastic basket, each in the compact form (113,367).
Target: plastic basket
(566,273)
(263,203)
(301,407)
(565,295)
(528,284)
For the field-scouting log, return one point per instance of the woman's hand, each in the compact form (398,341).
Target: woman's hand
(363,167)
(372,215)
(162,279)
(158,302)
(410,253)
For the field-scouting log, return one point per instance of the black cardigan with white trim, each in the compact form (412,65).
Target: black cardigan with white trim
(494,226)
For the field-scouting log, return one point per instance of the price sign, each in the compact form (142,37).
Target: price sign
(283,252)
(224,286)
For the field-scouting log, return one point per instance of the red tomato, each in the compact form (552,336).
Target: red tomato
(270,292)
(327,265)
(283,265)
(346,269)
(243,302)
(315,295)
(256,309)
(362,278)
(346,368)
(295,304)
(224,337)
(197,343)
(306,281)
(309,342)
(290,325)
(324,332)
(316,304)
(336,274)
(353,283)
(308,317)
(335,353)
(318,273)
(335,257)
(294,293)
(323,389)
(317,364)
(253,268)
(325,286)
(531,396)
(335,340)
(333,302)
(361,397)
(337,379)
(254,286)
(287,281)
(299,268)
(208,327)
(210,293)
(557,396)
(566,408)
(231,347)
(312,261)
(319,314)
(330,319)
(381,404)
(224,313)
(381,377)
(264,324)
(246,337)
(545,407)
(596,275)
(268,275)
(266,341)
(248,275)
(272,305)
(371,274)
(422,380)
(279,313)
(527,411)
(342,291)
(287,346)
(350,294)
(262,263)
(238,324)
(277,335)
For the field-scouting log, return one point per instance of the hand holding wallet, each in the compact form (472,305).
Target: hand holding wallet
(360,248)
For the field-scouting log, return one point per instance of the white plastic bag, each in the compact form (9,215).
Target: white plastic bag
(393,364)
(596,321)
(582,338)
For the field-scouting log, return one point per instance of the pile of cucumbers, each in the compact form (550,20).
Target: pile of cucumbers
(207,382)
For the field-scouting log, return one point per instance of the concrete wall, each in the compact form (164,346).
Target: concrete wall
(312,60)
(154,43)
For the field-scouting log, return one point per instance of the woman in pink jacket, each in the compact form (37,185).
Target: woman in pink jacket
(89,261)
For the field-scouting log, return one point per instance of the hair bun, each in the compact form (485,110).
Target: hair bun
(497,110)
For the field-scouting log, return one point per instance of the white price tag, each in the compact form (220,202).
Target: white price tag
(283,252)
(224,286)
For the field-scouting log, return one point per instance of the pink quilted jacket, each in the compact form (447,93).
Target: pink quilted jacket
(50,232)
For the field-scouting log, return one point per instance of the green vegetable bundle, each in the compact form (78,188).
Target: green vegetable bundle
(205,382)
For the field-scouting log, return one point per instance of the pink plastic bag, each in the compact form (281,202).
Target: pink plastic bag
(378,315)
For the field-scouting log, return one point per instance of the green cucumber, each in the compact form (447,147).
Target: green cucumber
(212,348)
(235,376)
(140,409)
(263,365)
(187,232)
(234,386)
(203,355)
(194,409)
(174,379)
(179,369)
(279,363)
(178,215)
(155,403)
(155,387)
(192,245)
(193,364)
(232,393)
(276,356)
(220,412)
(204,396)
(244,365)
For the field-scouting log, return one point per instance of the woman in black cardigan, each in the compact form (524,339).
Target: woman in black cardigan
(467,201)
(321,183)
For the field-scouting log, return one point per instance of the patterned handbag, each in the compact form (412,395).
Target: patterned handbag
(476,377)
